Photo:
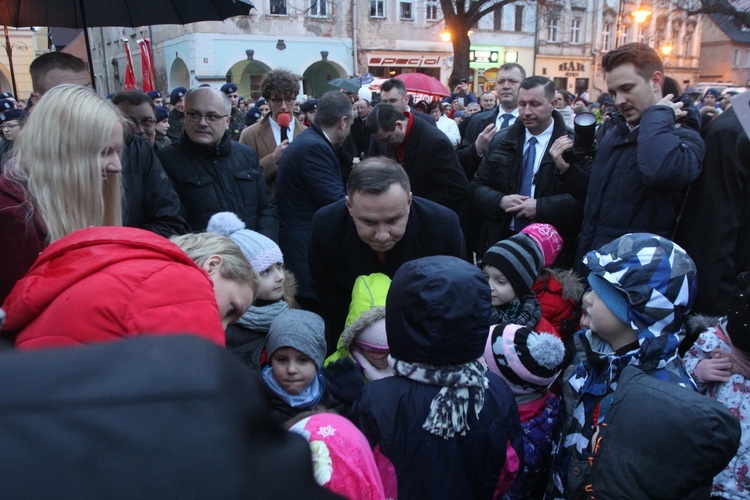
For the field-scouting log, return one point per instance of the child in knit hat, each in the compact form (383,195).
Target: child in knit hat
(558,290)
(719,362)
(294,377)
(246,338)
(511,267)
(529,362)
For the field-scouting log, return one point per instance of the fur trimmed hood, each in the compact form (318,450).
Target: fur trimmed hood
(367,319)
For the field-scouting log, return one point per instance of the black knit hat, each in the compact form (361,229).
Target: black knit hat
(519,259)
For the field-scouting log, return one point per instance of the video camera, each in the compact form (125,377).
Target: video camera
(584,142)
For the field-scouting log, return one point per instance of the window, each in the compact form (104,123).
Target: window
(606,31)
(498,18)
(736,60)
(278,7)
(575,30)
(519,18)
(318,8)
(552,30)
(405,11)
(377,8)
(747,58)
(432,10)
(625,35)
(688,46)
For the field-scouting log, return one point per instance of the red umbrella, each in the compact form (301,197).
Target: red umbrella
(424,84)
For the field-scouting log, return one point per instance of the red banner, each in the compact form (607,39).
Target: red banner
(147,65)
(130,83)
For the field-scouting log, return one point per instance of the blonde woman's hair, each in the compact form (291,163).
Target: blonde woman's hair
(235,266)
(56,161)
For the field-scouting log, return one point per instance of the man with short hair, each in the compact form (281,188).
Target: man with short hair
(378,227)
(426,154)
(309,178)
(279,89)
(237,121)
(471,109)
(177,114)
(515,183)
(149,201)
(483,126)
(653,150)
(140,110)
(212,173)
(393,91)
(54,68)
(487,101)
(359,131)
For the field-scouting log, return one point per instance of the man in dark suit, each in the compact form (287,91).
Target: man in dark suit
(376,229)
(426,154)
(309,178)
(483,126)
(521,153)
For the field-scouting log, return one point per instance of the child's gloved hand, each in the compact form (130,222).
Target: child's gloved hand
(344,380)
(714,370)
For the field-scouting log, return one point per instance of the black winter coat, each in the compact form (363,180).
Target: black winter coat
(221,178)
(637,180)
(499,174)
(149,200)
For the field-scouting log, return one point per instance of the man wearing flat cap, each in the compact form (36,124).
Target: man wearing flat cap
(237,117)
(177,115)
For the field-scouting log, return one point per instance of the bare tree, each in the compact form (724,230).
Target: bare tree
(460,16)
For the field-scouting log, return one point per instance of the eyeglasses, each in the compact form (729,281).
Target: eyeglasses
(278,100)
(8,126)
(194,116)
(147,123)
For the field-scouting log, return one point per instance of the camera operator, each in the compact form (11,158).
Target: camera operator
(653,150)
(514,185)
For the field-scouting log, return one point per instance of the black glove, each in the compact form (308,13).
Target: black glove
(344,380)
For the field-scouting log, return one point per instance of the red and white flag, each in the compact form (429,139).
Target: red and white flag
(130,83)
(147,65)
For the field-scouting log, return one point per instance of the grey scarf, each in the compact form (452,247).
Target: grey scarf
(259,318)
(449,409)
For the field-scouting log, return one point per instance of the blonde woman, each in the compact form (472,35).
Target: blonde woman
(64,176)
(103,284)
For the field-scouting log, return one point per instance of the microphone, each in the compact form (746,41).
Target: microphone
(283,120)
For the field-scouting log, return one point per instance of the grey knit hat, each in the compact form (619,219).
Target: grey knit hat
(519,258)
(261,251)
(302,330)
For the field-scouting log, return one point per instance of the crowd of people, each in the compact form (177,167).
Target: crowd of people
(450,299)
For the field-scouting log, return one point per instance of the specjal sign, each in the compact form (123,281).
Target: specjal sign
(409,60)
(571,68)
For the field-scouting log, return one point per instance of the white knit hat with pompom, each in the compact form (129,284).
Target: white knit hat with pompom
(261,251)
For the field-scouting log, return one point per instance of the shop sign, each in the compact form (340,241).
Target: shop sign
(484,56)
(404,60)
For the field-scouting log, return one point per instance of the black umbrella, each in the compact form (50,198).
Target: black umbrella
(345,84)
(85,14)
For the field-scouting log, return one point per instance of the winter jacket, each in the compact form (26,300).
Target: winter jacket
(309,178)
(658,280)
(559,292)
(220,178)
(149,199)
(338,255)
(499,174)
(732,482)
(22,236)
(637,178)
(434,324)
(715,227)
(107,283)
(236,124)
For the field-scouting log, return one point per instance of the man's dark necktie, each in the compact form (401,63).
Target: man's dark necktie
(506,120)
(527,178)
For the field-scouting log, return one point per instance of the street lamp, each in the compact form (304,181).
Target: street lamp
(666,50)
(445,36)
(640,15)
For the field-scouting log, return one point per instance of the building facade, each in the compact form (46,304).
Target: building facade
(725,51)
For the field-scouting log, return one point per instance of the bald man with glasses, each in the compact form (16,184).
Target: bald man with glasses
(212,173)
